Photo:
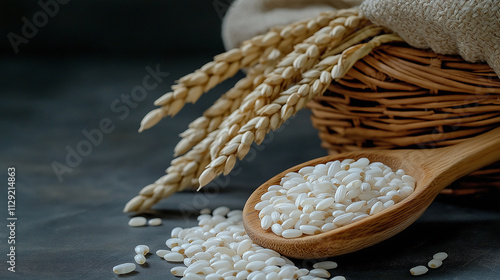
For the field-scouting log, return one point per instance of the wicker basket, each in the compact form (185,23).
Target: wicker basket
(401,97)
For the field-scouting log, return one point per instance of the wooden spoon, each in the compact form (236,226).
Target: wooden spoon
(433,170)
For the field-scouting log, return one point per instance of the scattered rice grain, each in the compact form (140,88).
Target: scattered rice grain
(440,256)
(137,222)
(326,265)
(124,268)
(141,249)
(434,263)
(418,270)
(140,259)
(155,222)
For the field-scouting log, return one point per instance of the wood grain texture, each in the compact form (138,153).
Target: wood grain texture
(433,170)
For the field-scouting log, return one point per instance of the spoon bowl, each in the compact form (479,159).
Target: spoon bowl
(432,169)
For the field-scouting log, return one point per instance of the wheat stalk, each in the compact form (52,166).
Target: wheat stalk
(304,56)
(314,82)
(269,94)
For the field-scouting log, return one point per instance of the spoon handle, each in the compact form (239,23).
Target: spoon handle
(451,163)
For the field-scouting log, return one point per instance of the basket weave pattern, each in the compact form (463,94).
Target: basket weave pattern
(401,97)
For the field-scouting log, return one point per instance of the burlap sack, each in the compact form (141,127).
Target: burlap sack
(469,28)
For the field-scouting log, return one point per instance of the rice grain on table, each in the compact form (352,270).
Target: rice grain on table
(141,249)
(161,253)
(418,270)
(137,222)
(124,268)
(223,250)
(440,256)
(325,265)
(434,263)
(155,222)
(140,259)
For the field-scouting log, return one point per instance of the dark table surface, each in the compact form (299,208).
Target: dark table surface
(73,227)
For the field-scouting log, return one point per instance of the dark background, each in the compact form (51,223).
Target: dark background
(87,57)
(115,27)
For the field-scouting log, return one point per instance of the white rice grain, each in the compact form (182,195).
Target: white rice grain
(325,265)
(418,270)
(124,268)
(319,272)
(155,222)
(440,256)
(174,257)
(140,259)
(137,222)
(434,263)
(291,233)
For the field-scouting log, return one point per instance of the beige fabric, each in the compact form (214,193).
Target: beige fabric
(248,18)
(470,28)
